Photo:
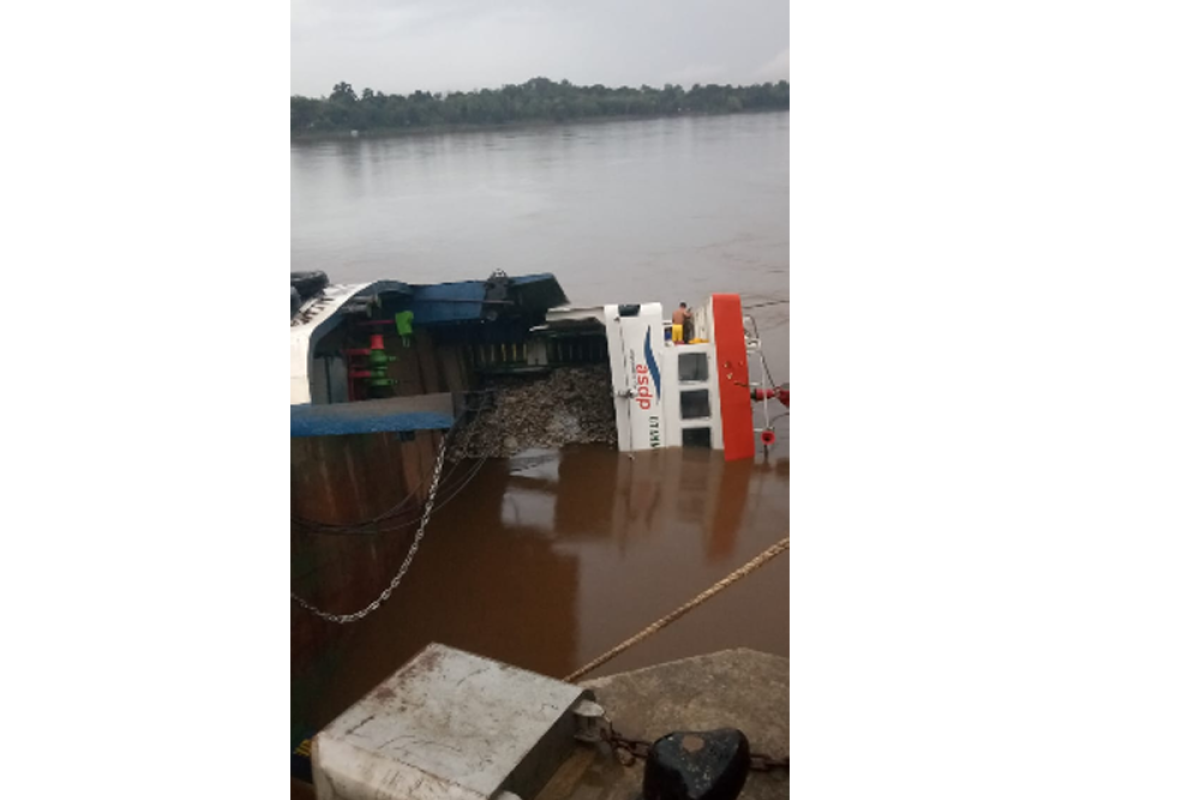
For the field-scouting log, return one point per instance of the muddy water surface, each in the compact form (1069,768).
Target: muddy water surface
(548,559)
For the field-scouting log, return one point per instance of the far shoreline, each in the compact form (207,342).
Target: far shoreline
(463,127)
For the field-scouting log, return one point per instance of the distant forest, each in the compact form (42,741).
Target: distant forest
(536,100)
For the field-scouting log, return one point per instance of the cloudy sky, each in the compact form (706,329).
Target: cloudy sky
(445,45)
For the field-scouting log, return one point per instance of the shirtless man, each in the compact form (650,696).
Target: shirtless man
(683,316)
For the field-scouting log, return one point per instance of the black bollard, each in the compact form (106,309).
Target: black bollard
(707,765)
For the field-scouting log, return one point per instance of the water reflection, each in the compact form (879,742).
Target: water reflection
(627,497)
(548,559)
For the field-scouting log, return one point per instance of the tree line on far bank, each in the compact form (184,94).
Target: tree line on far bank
(539,99)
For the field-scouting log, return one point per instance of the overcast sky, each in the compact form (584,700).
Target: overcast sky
(399,46)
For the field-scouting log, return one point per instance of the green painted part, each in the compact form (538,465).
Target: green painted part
(379,359)
(404,323)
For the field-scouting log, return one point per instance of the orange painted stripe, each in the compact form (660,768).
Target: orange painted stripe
(733,373)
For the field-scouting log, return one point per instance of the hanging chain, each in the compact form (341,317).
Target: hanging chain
(627,750)
(342,619)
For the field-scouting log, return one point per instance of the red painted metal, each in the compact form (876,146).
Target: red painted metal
(760,394)
(737,416)
(377,341)
(768,438)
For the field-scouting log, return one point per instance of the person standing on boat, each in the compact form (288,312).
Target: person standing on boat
(683,317)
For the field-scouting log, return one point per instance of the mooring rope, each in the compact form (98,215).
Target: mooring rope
(716,588)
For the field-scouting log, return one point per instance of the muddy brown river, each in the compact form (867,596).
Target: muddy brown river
(547,559)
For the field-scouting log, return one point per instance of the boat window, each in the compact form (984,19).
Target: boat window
(697,437)
(693,367)
(693,404)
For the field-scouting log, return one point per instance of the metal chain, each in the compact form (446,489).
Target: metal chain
(627,750)
(342,619)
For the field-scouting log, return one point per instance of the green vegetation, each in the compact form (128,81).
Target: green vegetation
(536,100)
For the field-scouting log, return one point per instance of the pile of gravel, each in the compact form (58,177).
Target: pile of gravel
(570,405)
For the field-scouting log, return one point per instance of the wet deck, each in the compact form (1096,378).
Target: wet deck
(744,689)
(741,688)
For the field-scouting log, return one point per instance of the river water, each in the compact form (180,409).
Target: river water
(549,559)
